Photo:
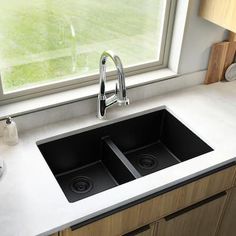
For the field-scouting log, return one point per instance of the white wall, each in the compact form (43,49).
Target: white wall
(198,39)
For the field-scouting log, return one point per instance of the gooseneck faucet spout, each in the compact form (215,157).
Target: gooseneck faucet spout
(120,91)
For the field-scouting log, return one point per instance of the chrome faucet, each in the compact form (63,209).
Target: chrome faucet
(120,91)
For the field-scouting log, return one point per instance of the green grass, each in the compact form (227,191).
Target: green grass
(37,45)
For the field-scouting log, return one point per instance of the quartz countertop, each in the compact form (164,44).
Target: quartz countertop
(32,202)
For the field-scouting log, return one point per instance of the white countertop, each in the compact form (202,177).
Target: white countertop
(31,201)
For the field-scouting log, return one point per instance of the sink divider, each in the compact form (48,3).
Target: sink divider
(112,146)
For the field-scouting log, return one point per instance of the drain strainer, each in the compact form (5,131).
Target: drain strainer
(147,161)
(81,184)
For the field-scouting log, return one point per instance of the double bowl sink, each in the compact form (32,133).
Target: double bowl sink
(96,160)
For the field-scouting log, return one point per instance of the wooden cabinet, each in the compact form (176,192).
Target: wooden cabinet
(228,224)
(199,219)
(220,12)
(147,230)
(135,218)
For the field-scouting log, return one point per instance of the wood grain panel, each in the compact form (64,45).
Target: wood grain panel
(202,220)
(228,224)
(158,207)
(216,65)
(220,12)
(230,57)
(232,36)
(234,181)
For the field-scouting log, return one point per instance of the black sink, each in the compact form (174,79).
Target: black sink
(86,164)
(96,160)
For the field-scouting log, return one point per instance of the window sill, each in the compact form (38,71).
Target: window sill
(75,95)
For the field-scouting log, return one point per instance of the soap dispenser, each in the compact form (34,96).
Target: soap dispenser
(10,134)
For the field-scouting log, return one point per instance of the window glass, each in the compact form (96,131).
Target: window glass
(44,41)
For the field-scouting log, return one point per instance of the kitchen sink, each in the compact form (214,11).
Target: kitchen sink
(86,164)
(96,160)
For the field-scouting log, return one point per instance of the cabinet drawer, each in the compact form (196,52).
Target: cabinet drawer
(228,226)
(199,219)
(157,207)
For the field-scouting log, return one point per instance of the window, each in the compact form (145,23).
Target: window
(49,44)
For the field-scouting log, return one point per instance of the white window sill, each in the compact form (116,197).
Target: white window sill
(74,95)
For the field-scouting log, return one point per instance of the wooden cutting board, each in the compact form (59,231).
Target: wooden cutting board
(216,62)
(221,57)
(230,57)
(232,36)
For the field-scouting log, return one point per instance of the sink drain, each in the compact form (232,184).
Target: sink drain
(81,184)
(147,161)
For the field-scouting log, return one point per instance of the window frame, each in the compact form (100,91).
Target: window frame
(74,82)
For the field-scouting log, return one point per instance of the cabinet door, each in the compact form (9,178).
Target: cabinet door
(220,12)
(199,219)
(228,224)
